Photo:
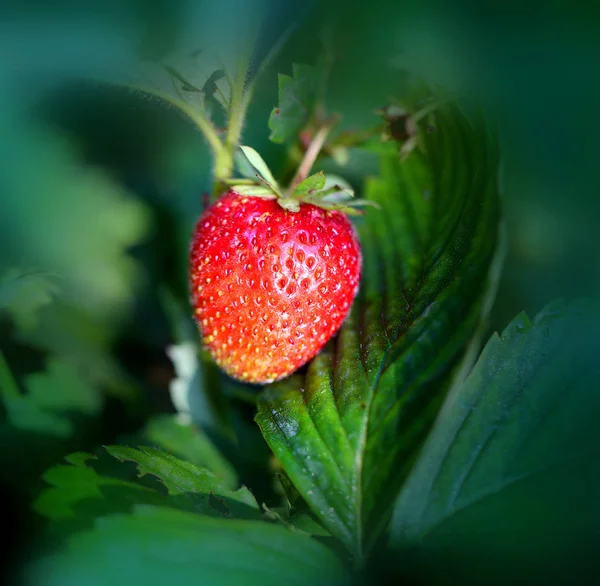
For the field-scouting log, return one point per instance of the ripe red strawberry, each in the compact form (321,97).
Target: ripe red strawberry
(270,287)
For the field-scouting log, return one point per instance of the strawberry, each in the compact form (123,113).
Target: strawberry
(271,286)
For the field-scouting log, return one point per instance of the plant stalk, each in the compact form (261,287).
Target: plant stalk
(201,121)
(237,114)
(312,152)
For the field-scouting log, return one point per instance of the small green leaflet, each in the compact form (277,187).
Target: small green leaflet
(315,182)
(243,165)
(80,493)
(76,483)
(296,102)
(155,546)
(255,191)
(192,487)
(259,164)
(512,464)
(289,203)
(347,432)
(332,193)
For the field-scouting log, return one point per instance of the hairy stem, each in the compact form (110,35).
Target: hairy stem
(312,152)
(198,118)
(237,114)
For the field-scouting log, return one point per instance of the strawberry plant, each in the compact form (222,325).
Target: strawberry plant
(337,411)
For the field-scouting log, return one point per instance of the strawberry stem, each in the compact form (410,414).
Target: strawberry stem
(237,111)
(198,118)
(312,152)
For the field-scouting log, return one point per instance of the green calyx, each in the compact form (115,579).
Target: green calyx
(325,191)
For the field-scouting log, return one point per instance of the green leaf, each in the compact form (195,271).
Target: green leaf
(254,191)
(303,521)
(347,432)
(22,294)
(243,165)
(259,164)
(337,193)
(52,398)
(312,183)
(296,514)
(176,434)
(223,93)
(507,482)
(157,546)
(203,491)
(296,101)
(290,204)
(91,486)
(73,484)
